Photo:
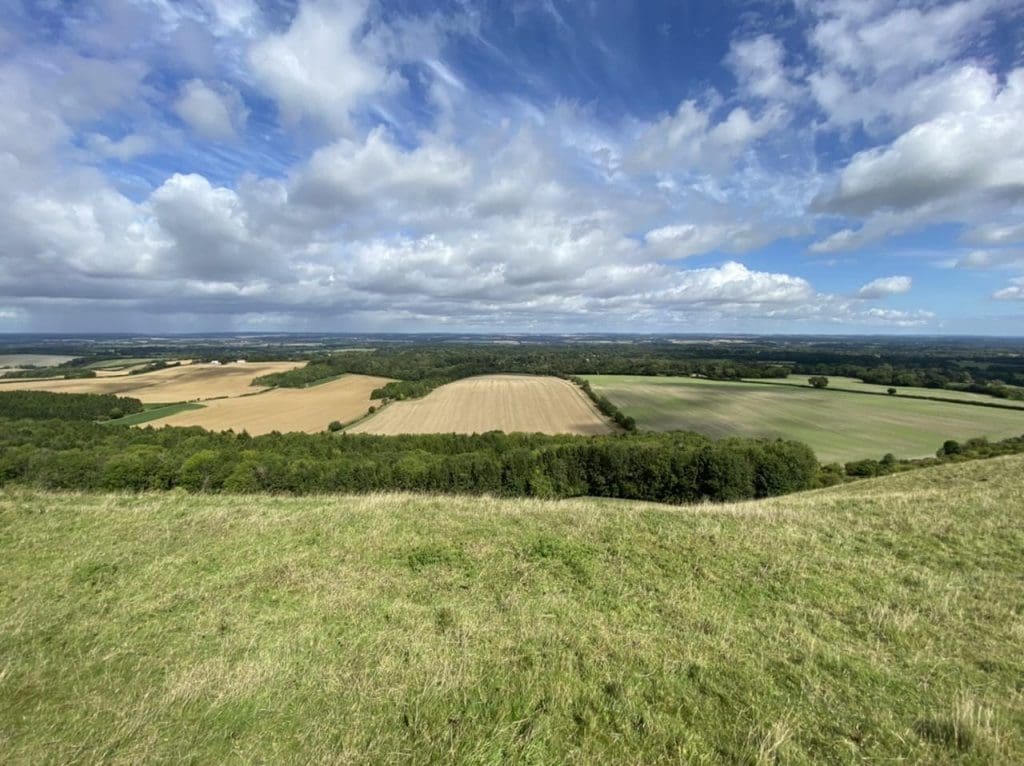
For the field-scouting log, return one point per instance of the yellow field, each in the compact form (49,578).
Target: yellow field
(507,403)
(285,409)
(192,382)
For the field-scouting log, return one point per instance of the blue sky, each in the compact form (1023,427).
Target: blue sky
(834,166)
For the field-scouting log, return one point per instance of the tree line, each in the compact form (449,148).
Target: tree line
(45,405)
(670,467)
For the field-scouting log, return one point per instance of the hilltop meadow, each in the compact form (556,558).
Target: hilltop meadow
(875,621)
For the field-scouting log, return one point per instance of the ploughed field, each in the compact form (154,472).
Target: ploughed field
(510,403)
(837,425)
(186,383)
(285,409)
(875,622)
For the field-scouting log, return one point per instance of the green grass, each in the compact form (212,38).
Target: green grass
(119,364)
(838,425)
(155,412)
(875,622)
(839,383)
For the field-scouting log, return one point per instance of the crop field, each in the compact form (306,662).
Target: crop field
(839,383)
(526,403)
(837,425)
(876,622)
(16,361)
(191,382)
(285,409)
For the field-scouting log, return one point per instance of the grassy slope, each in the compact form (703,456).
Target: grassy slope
(875,621)
(837,425)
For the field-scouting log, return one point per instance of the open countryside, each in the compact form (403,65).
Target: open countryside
(842,383)
(529,404)
(837,425)
(285,409)
(184,383)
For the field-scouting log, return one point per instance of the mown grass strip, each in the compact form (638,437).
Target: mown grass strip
(154,412)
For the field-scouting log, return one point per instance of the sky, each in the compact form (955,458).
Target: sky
(766,166)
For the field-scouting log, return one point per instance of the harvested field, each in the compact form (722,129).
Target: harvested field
(175,384)
(284,409)
(525,403)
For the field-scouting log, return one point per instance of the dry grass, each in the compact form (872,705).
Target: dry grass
(192,382)
(285,409)
(526,403)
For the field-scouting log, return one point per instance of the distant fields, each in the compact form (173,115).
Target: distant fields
(526,403)
(837,425)
(187,382)
(876,622)
(285,409)
(839,383)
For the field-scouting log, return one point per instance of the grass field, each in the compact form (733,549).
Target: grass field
(189,382)
(285,409)
(154,412)
(10,362)
(527,403)
(874,622)
(839,383)
(837,425)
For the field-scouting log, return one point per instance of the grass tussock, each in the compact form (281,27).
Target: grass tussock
(877,621)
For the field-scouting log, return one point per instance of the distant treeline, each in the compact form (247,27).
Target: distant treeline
(950,451)
(671,467)
(420,369)
(45,405)
(68,373)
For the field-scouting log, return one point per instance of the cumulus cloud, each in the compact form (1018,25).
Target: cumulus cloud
(320,67)
(215,111)
(350,173)
(691,139)
(883,287)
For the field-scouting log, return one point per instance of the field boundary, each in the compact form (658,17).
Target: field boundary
(155,413)
(897,395)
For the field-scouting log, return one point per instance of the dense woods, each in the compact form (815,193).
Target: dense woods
(43,405)
(672,467)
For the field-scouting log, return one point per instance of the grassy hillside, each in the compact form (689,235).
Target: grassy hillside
(876,621)
(838,425)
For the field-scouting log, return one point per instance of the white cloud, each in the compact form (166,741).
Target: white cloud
(320,68)
(995,233)
(962,166)
(683,240)
(376,172)
(690,139)
(883,287)
(123,149)
(991,259)
(759,66)
(1013,292)
(215,111)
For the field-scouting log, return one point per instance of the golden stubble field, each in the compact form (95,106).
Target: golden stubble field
(525,403)
(285,409)
(187,383)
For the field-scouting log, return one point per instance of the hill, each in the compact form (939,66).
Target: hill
(879,620)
